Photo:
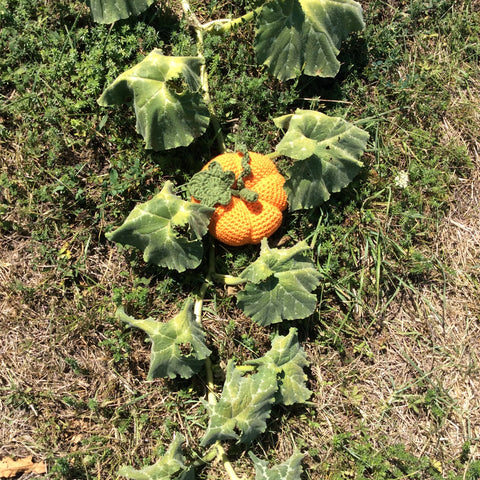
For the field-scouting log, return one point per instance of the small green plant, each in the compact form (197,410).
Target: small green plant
(174,108)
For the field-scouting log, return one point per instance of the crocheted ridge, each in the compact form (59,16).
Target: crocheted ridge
(240,222)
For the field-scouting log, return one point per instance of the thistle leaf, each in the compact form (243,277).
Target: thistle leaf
(291,469)
(109,11)
(178,346)
(304,36)
(169,467)
(281,282)
(169,107)
(167,229)
(244,407)
(287,358)
(328,150)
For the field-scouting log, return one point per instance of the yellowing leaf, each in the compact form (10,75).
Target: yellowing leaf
(168,104)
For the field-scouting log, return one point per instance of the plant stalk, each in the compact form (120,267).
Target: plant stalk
(224,26)
(198,308)
(199,29)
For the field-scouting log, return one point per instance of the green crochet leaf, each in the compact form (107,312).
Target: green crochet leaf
(169,467)
(244,407)
(109,11)
(178,346)
(291,469)
(212,186)
(280,285)
(328,152)
(169,106)
(288,359)
(304,36)
(167,229)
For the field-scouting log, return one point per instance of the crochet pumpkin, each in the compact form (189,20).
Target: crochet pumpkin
(247,193)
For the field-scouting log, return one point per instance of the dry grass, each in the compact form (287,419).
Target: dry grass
(418,380)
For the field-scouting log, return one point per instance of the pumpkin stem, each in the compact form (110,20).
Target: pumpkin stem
(246,170)
(246,194)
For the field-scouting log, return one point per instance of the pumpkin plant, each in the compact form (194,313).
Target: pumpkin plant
(237,198)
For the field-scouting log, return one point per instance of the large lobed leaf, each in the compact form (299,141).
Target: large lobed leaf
(291,469)
(109,11)
(304,36)
(327,150)
(178,346)
(243,408)
(288,359)
(167,229)
(169,467)
(280,285)
(169,107)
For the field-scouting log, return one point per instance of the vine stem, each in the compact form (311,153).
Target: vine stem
(198,309)
(199,30)
(223,26)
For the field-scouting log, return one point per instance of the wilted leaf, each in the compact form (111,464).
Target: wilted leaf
(167,229)
(327,150)
(109,11)
(291,469)
(304,36)
(280,285)
(169,467)
(287,358)
(178,346)
(11,468)
(243,408)
(169,107)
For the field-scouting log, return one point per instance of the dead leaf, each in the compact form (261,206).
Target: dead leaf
(232,290)
(10,468)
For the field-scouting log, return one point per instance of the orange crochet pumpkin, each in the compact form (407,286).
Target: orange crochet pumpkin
(242,222)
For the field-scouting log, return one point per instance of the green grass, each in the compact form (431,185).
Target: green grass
(72,387)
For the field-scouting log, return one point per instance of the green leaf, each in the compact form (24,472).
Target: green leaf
(167,229)
(109,11)
(169,467)
(212,186)
(169,107)
(329,151)
(287,358)
(244,407)
(281,282)
(178,346)
(291,469)
(304,36)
